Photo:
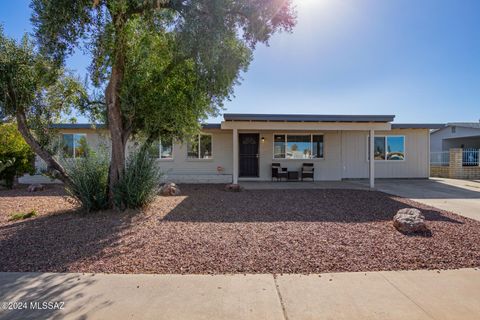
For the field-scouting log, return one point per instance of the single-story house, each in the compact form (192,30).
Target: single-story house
(243,147)
(463,135)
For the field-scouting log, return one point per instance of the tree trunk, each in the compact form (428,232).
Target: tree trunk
(38,149)
(115,125)
(118,134)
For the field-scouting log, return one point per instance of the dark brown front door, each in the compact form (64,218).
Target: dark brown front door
(248,151)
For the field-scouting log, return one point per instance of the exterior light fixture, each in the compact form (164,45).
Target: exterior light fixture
(263,139)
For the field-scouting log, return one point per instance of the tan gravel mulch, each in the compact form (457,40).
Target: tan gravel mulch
(208,230)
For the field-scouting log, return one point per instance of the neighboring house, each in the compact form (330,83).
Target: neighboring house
(464,135)
(244,146)
(455,151)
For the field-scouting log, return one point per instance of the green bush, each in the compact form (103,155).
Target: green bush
(140,183)
(16,157)
(5,164)
(22,216)
(89,177)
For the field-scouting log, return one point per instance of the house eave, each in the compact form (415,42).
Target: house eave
(306,118)
(431,126)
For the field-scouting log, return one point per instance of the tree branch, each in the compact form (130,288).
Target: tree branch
(38,149)
(154,5)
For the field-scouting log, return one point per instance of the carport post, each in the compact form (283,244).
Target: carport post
(235,156)
(372,160)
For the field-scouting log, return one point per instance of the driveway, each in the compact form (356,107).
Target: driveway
(458,196)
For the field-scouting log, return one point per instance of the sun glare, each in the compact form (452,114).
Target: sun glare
(312,3)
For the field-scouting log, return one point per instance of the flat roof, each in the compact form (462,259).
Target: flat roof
(218,125)
(418,125)
(473,125)
(307,117)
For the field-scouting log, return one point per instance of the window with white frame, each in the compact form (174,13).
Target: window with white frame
(74,145)
(297,146)
(200,147)
(388,148)
(161,149)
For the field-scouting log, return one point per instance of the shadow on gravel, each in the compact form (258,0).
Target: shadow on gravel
(32,292)
(263,239)
(206,204)
(53,242)
(51,190)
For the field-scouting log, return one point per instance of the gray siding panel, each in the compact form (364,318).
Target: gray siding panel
(415,165)
(345,157)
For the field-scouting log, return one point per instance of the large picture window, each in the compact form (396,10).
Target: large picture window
(161,149)
(200,147)
(388,148)
(74,145)
(297,146)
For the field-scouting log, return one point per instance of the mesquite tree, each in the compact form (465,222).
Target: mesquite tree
(164,64)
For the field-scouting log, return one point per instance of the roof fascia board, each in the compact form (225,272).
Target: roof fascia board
(307,117)
(252,125)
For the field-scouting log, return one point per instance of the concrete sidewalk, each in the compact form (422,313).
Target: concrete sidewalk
(452,294)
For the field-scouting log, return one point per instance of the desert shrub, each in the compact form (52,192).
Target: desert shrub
(89,177)
(16,157)
(22,216)
(140,182)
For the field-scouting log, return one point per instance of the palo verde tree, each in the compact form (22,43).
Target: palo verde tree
(34,93)
(164,64)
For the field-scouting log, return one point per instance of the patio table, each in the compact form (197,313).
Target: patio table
(292,175)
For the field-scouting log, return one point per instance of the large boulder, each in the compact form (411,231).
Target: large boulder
(233,188)
(409,220)
(170,189)
(35,187)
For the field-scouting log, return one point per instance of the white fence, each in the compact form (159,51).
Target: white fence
(441,158)
(470,157)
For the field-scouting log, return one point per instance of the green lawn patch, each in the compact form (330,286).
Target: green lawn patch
(22,216)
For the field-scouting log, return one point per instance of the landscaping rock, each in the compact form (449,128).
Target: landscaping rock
(36,187)
(170,189)
(233,188)
(409,220)
(210,231)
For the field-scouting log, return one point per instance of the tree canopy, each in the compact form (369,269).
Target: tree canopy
(35,93)
(179,59)
(164,64)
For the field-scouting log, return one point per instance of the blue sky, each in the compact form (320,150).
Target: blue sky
(417,59)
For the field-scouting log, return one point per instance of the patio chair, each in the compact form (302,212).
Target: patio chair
(278,172)
(308,171)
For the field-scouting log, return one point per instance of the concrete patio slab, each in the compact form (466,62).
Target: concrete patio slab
(112,296)
(276,185)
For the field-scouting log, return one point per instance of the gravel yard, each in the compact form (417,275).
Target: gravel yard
(208,230)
